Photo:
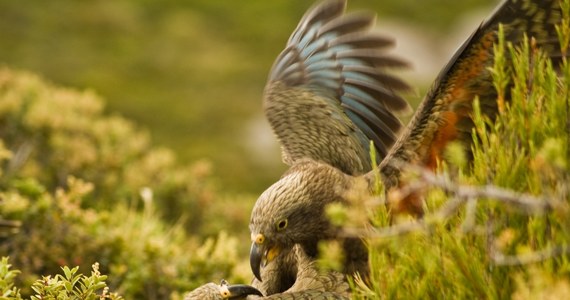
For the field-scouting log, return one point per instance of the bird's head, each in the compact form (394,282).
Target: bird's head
(291,211)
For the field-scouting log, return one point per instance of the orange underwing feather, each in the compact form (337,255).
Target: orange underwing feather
(444,115)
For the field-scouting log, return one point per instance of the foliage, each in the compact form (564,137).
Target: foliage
(489,248)
(70,285)
(7,288)
(53,133)
(89,187)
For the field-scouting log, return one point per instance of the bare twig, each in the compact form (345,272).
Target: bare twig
(470,196)
(500,259)
(10,224)
(461,194)
(425,223)
(8,227)
(526,202)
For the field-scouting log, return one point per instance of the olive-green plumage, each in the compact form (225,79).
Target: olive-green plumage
(304,295)
(212,291)
(309,283)
(222,291)
(300,197)
(304,276)
(328,95)
(208,291)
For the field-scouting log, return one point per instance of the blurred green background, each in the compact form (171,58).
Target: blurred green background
(192,72)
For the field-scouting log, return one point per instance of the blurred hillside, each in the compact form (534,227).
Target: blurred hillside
(192,72)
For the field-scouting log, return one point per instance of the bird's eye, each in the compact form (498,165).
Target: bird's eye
(282,224)
(225,293)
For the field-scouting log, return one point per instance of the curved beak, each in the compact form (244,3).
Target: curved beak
(241,291)
(255,257)
(260,254)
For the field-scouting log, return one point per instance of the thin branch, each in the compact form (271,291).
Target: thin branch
(10,224)
(500,259)
(449,208)
(8,227)
(461,194)
(526,202)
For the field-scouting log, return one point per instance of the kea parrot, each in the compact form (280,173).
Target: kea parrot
(212,291)
(328,95)
(307,277)
(223,291)
(310,283)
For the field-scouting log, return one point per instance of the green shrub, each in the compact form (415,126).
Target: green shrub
(491,246)
(88,187)
(54,133)
(70,285)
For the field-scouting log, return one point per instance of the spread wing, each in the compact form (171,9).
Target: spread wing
(328,93)
(445,113)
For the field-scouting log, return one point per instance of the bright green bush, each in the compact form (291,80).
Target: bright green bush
(54,133)
(70,285)
(487,248)
(89,187)
(143,255)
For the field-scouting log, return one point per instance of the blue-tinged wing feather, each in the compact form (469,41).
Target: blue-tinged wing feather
(337,57)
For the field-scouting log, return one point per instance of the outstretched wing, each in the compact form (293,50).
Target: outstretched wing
(328,93)
(445,113)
